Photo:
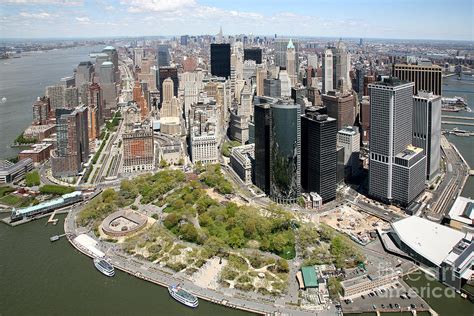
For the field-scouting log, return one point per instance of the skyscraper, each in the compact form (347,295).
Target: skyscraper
(71,97)
(168,89)
(220,60)
(164,73)
(426,78)
(318,154)
(137,56)
(262,142)
(163,55)
(72,149)
(285,83)
(254,54)
(427,129)
(336,66)
(107,84)
(365,118)
(328,71)
(41,109)
(280,47)
(261,76)
(83,73)
(272,88)
(112,54)
(349,139)
(341,107)
(313,61)
(56,96)
(394,164)
(291,63)
(285,152)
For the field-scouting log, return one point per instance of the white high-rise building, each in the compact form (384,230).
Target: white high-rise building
(327,71)
(291,63)
(138,56)
(313,61)
(349,138)
(245,108)
(396,168)
(285,84)
(427,129)
(336,67)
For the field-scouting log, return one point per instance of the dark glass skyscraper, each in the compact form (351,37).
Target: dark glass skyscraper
(253,54)
(262,142)
(220,60)
(285,152)
(168,72)
(163,55)
(318,154)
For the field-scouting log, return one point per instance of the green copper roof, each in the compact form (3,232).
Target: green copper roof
(309,277)
(290,45)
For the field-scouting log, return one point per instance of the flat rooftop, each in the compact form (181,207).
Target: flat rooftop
(463,211)
(409,152)
(391,82)
(430,240)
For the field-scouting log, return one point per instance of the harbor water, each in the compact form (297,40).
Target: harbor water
(40,277)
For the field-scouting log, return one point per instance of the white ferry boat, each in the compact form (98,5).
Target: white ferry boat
(183,296)
(103,266)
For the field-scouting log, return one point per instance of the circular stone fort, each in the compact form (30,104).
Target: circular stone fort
(123,222)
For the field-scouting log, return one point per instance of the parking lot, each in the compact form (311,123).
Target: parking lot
(390,298)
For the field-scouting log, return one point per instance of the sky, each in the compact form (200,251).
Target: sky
(401,19)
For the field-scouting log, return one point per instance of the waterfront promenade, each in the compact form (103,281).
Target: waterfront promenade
(152,273)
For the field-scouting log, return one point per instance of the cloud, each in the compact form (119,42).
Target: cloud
(136,6)
(37,15)
(47,2)
(83,19)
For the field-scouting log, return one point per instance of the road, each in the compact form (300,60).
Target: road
(451,185)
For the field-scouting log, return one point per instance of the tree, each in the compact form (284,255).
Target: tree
(236,237)
(55,189)
(214,245)
(163,163)
(188,232)
(282,266)
(109,196)
(32,178)
(334,288)
(128,189)
(171,220)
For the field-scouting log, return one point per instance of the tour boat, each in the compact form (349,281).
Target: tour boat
(103,266)
(183,296)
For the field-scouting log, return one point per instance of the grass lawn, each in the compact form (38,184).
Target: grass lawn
(11,200)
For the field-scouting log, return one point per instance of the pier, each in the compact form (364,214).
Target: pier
(56,237)
(51,219)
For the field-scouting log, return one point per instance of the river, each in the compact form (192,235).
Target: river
(24,79)
(38,277)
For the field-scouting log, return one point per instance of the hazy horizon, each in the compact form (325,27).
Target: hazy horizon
(400,19)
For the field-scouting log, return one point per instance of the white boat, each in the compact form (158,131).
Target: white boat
(183,296)
(105,267)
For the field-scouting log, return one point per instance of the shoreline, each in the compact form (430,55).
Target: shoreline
(166,280)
